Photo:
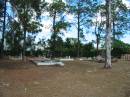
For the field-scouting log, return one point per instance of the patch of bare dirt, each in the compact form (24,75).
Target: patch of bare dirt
(75,79)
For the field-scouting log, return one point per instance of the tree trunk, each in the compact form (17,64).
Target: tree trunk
(78,48)
(24,46)
(54,35)
(24,36)
(78,53)
(3,34)
(97,41)
(114,33)
(108,35)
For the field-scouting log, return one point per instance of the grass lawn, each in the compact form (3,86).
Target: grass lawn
(75,79)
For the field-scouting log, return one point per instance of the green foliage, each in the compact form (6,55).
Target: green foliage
(38,6)
(120,48)
(56,9)
(27,13)
(1,4)
(34,27)
(88,50)
(58,46)
(30,42)
(69,48)
(61,25)
(57,6)
(14,38)
(31,5)
(120,18)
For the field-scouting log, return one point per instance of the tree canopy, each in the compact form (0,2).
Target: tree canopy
(108,21)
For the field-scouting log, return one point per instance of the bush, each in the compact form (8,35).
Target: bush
(119,48)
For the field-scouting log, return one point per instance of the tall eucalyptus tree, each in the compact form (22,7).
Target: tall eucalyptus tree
(108,39)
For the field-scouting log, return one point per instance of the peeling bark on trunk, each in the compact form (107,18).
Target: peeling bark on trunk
(108,35)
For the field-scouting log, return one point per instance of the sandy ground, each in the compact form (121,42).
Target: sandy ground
(75,79)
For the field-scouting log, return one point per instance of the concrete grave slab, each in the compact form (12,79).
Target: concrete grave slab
(48,63)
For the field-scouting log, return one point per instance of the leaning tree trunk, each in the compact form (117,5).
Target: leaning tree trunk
(108,35)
